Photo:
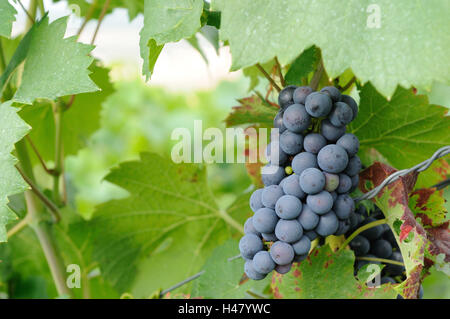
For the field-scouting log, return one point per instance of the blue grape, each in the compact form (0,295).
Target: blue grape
(249,245)
(328,224)
(265,220)
(263,263)
(360,245)
(300,258)
(275,154)
(272,174)
(355,219)
(271,194)
(311,235)
(285,97)
(381,248)
(344,206)
(320,203)
(318,104)
(308,219)
(278,122)
(345,183)
(332,158)
(332,92)
(372,233)
(341,114)
(389,236)
(350,102)
(288,231)
(255,200)
(282,253)
(334,195)
(251,272)
(269,237)
(355,183)
(283,269)
(331,181)
(344,226)
(291,186)
(302,161)
(331,132)
(312,181)
(302,246)
(288,207)
(353,166)
(296,119)
(249,228)
(291,143)
(362,211)
(350,143)
(313,142)
(301,93)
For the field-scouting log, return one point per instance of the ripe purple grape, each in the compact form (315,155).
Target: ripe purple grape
(341,114)
(360,245)
(308,219)
(332,158)
(282,253)
(345,183)
(318,104)
(350,102)
(275,154)
(381,248)
(283,269)
(330,132)
(288,207)
(312,180)
(265,220)
(332,92)
(291,143)
(320,203)
(331,181)
(353,166)
(251,272)
(313,142)
(302,246)
(249,228)
(301,93)
(343,206)
(269,237)
(288,231)
(249,245)
(291,186)
(263,263)
(272,174)
(296,119)
(278,122)
(328,224)
(350,143)
(271,194)
(285,98)
(255,200)
(302,161)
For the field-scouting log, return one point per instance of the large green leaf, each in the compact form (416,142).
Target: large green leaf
(7,17)
(258,30)
(302,66)
(12,130)
(405,130)
(328,275)
(167,21)
(164,231)
(55,66)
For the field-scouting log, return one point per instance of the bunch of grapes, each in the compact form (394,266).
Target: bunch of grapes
(312,168)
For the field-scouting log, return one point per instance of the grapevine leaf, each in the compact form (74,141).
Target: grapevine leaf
(169,219)
(325,274)
(252,110)
(405,130)
(13,129)
(83,7)
(255,75)
(359,35)
(428,205)
(222,278)
(7,17)
(167,21)
(54,66)
(301,66)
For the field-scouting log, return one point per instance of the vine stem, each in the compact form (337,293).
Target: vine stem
(33,7)
(18,227)
(230,221)
(280,72)
(349,84)
(268,77)
(58,170)
(41,160)
(381,260)
(100,20)
(87,18)
(360,230)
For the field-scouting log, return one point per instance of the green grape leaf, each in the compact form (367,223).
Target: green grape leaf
(54,66)
(360,35)
(12,130)
(252,110)
(255,75)
(302,66)
(167,21)
(405,130)
(7,17)
(428,204)
(78,122)
(169,219)
(328,275)
(223,278)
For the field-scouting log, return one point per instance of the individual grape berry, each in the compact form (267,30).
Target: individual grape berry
(330,132)
(283,269)
(302,246)
(320,203)
(355,183)
(334,195)
(350,102)
(291,186)
(395,270)
(300,258)
(355,219)
(249,228)
(308,219)
(269,237)
(328,224)
(360,245)
(285,98)
(361,210)
(301,93)
(278,122)
(265,220)
(255,200)
(331,181)
(288,207)
(312,181)
(296,119)
(311,235)
(332,158)
(288,231)
(249,245)
(302,161)
(318,104)
(263,263)
(275,155)
(344,226)
(343,206)
(251,272)
(313,142)
(389,236)
(332,92)
(291,143)
(350,143)
(381,248)
(341,114)
(345,184)
(271,194)
(353,166)
(372,233)
(272,174)
(282,253)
